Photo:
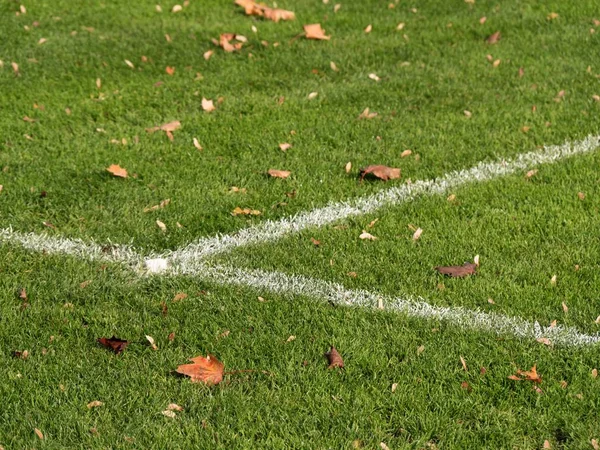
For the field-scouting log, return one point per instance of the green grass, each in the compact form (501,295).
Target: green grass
(525,231)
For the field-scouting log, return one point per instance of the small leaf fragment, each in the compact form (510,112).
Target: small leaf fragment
(94,404)
(493,38)
(275,173)
(364,235)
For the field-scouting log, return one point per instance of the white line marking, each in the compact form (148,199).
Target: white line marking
(272,230)
(293,285)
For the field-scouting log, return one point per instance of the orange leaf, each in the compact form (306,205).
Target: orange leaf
(334,358)
(117,171)
(457,271)
(207,370)
(531,374)
(170,70)
(225,44)
(382,172)
(279,173)
(314,31)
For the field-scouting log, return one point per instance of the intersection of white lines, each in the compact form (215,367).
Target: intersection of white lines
(191,259)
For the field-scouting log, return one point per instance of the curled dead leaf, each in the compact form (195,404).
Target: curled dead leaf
(254,9)
(94,404)
(458,271)
(114,343)
(382,172)
(334,358)
(367,114)
(493,38)
(208,105)
(245,212)
(364,235)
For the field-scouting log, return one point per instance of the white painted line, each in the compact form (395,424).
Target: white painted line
(71,247)
(272,230)
(294,285)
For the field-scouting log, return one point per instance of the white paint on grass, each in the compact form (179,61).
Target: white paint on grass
(272,230)
(188,261)
(296,285)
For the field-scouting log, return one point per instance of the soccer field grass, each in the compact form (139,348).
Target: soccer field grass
(427,358)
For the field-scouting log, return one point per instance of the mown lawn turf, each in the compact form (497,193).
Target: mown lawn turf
(431,71)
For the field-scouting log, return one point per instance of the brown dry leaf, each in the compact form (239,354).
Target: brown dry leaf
(208,54)
(466,386)
(114,343)
(530,375)
(552,16)
(207,370)
(405,153)
(547,444)
(314,31)
(594,373)
(161,205)
(334,358)
(179,296)
(464,364)
(38,433)
(208,105)
(15,67)
(369,28)
(458,271)
(94,404)
(161,225)
(494,38)
(544,341)
(496,63)
(245,212)
(117,171)
(285,146)
(315,242)
(174,407)
(531,173)
(368,236)
(279,173)
(169,414)
(170,70)
(225,42)
(254,9)
(382,172)
(367,114)
(482,20)
(565,307)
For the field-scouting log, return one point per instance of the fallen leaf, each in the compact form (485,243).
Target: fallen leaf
(15,68)
(334,358)
(279,173)
(38,433)
(529,375)
(161,205)
(374,77)
(348,167)
(482,20)
(114,343)
(170,414)
(596,97)
(285,146)
(594,373)
(179,296)
(464,364)
(94,404)
(466,386)
(367,114)
(493,38)
(565,307)
(174,407)
(333,66)
(312,95)
(254,9)
(208,54)
(171,336)
(581,195)
(382,172)
(161,225)
(544,341)
(117,171)
(314,31)
(547,444)
(225,42)
(369,28)
(420,349)
(467,113)
(208,105)
(458,271)
(383,446)
(207,370)
(150,339)
(315,242)
(496,63)
(245,212)
(417,234)
(531,173)
(177,8)
(552,16)
(365,235)
(291,338)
